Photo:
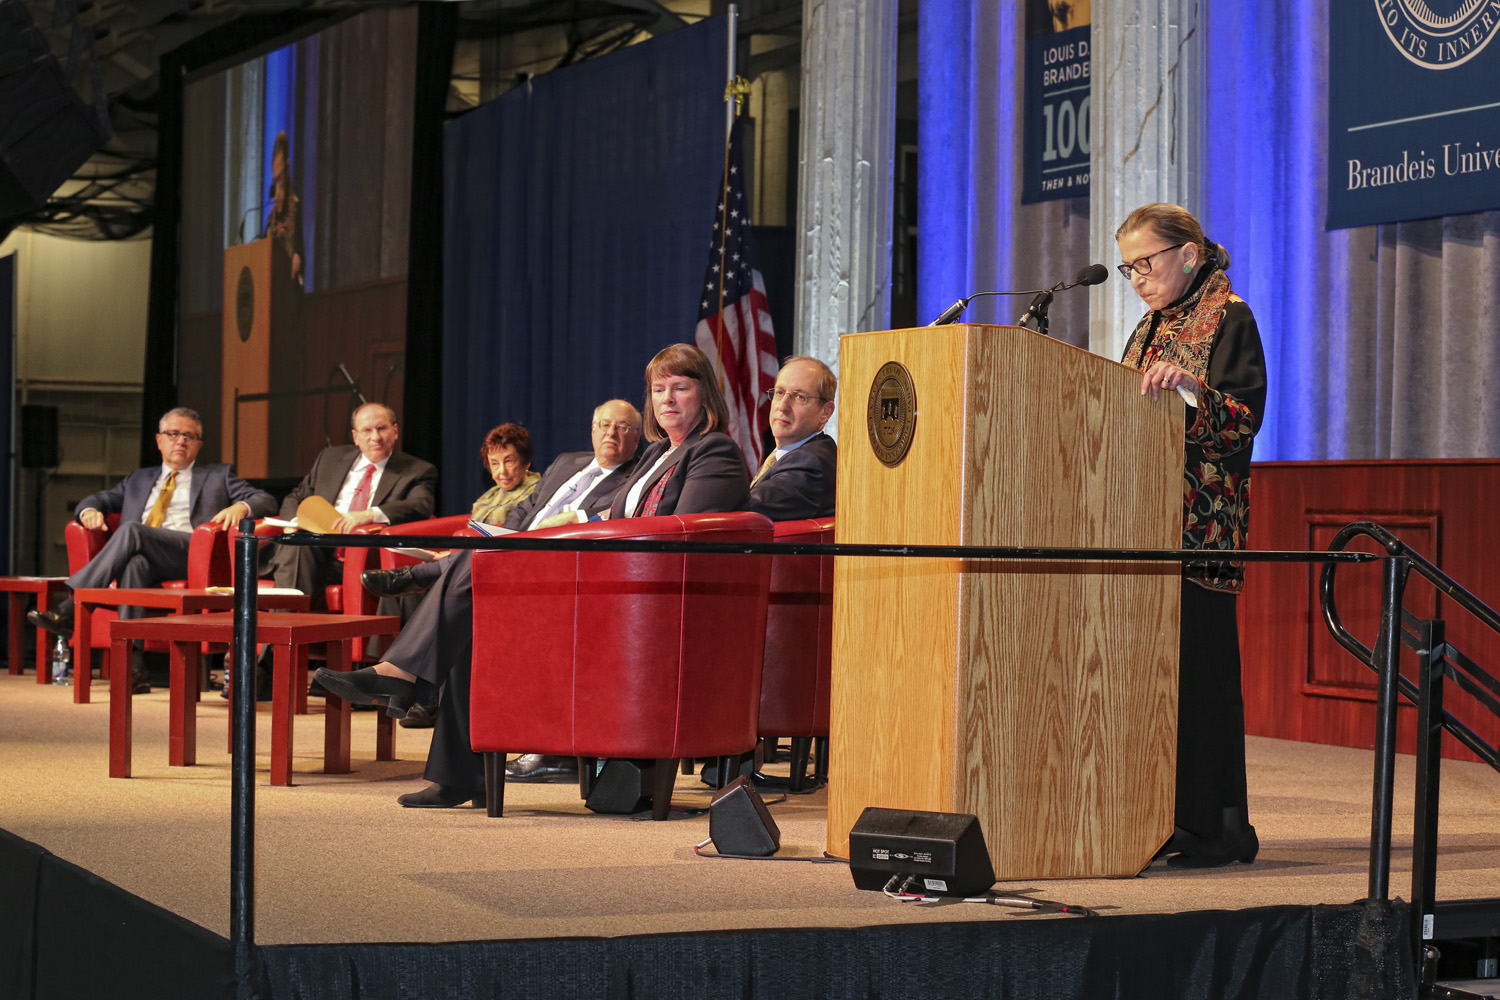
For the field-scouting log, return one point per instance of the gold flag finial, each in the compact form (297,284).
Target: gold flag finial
(738,89)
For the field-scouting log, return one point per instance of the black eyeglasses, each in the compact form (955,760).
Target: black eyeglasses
(180,435)
(1142,265)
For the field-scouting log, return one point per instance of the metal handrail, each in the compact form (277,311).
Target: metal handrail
(1437,661)
(1410,559)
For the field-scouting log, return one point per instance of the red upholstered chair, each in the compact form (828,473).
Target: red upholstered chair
(208,563)
(454,524)
(799,645)
(634,655)
(349,595)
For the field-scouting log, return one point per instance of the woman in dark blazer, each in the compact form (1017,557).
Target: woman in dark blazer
(692,468)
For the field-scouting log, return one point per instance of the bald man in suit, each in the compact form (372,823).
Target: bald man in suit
(368,482)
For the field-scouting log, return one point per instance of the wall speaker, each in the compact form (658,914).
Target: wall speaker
(740,823)
(622,786)
(39,437)
(943,853)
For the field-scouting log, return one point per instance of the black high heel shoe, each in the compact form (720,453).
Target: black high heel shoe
(436,796)
(366,687)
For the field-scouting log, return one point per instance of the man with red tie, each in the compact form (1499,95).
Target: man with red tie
(367,482)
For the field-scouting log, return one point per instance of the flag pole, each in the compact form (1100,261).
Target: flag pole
(730,107)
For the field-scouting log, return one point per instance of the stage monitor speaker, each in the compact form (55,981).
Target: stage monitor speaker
(46,131)
(943,854)
(622,786)
(739,823)
(39,437)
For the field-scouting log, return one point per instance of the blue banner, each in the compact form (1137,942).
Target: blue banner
(1413,109)
(1055,118)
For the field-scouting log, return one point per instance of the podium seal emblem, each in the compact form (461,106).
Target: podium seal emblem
(891,413)
(244,304)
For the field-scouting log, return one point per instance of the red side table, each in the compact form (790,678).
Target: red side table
(290,635)
(44,588)
(174,600)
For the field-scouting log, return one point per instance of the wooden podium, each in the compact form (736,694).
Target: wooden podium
(1041,696)
(261,313)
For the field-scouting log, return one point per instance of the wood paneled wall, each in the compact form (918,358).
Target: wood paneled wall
(1299,683)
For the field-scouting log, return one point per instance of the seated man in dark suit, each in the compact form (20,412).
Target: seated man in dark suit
(796,481)
(577,485)
(159,507)
(368,481)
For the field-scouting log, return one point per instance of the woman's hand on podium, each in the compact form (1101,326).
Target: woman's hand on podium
(1163,375)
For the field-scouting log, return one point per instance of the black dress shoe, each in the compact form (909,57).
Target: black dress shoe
(420,716)
(58,622)
(391,582)
(140,682)
(437,796)
(541,767)
(366,687)
(1210,855)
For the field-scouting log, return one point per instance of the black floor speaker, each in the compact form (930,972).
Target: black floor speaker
(740,823)
(622,786)
(943,854)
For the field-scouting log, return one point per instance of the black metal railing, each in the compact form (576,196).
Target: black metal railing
(247,969)
(1438,663)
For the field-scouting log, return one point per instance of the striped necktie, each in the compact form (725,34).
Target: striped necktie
(764,468)
(163,501)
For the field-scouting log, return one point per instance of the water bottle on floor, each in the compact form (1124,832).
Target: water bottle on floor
(62,663)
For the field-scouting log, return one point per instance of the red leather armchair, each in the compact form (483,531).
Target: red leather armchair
(639,655)
(799,646)
(453,524)
(208,563)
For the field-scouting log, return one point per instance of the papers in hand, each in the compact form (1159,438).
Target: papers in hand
(277,522)
(423,555)
(490,530)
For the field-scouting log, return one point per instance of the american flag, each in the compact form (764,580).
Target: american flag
(734,325)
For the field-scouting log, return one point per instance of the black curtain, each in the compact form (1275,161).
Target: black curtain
(577,216)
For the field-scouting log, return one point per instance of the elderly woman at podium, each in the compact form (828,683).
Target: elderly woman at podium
(1199,339)
(691,467)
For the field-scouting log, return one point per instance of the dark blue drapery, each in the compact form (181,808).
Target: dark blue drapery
(577,214)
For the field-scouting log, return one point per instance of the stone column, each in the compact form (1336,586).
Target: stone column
(845,178)
(1147,108)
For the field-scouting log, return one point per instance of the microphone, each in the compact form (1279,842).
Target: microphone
(246,217)
(1094,274)
(353,384)
(953,312)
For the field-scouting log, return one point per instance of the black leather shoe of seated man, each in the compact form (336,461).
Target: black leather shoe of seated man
(57,621)
(541,767)
(390,582)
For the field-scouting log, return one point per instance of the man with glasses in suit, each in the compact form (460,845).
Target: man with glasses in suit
(159,506)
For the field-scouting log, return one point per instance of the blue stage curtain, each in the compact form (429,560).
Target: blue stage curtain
(577,213)
(1380,341)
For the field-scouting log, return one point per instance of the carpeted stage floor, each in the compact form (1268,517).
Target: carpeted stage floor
(339,861)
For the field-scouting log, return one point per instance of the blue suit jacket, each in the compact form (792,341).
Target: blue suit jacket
(215,486)
(800,484)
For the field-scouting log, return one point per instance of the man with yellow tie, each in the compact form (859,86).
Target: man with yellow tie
(159,506)
(797,479)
